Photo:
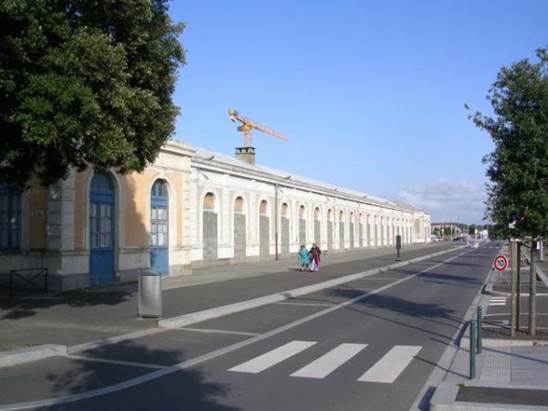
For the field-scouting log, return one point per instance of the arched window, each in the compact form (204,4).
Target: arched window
(301,211)
(10,219)
(285,209)
(159,189)
(317,213)
(239,205)
(209,202)
(263,207)
(159,223)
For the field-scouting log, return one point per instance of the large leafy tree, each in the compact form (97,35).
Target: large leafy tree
(84,82)
(518,167)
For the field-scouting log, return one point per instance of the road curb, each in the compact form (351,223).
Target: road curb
(211,313)
(25,355)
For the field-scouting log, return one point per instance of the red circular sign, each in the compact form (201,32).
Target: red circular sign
(501,263)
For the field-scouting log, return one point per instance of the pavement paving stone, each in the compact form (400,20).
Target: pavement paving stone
(495,366)
(530,366)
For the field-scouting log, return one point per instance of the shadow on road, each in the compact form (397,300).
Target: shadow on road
(180,389)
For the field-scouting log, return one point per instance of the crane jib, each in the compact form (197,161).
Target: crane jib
(247,125)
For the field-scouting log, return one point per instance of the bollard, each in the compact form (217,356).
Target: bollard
(479,320)
(472,349)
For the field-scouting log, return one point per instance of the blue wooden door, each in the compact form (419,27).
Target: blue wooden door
(159,231)
(101,229)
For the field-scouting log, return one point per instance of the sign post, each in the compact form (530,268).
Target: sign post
(513,258)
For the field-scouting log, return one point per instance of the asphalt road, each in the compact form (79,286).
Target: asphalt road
(366,345)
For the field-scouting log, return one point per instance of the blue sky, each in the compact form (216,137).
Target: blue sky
(370,94)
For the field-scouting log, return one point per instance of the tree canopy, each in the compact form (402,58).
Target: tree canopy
(518,167)
(84,82)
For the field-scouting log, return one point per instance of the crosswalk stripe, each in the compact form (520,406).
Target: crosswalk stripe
(329,362)
(267,360)
(389,367)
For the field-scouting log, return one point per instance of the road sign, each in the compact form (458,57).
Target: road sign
(500,263)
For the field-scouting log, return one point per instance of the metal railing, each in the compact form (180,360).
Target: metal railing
(35,279)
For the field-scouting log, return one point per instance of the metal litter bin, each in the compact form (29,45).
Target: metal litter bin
(150,294)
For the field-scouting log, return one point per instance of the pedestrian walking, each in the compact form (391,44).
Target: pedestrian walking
(315,253)
(304,258)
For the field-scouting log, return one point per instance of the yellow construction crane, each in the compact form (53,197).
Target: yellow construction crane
(246,125)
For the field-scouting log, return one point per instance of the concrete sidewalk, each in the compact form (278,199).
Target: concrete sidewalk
(84,316)
(511,374)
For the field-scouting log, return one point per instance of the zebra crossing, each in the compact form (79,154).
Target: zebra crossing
(497,301)
(386,370)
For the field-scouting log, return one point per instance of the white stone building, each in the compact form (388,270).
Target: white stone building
(190,208)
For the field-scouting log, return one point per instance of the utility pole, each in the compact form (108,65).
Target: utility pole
(276,220)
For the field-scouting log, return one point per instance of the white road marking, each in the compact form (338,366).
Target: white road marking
(116,362)
(271,358)
(132,382)
(389,367)
(329,362)
(495,304)
(307,304)
(211,331)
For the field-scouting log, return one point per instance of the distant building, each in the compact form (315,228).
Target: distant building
(449,229)
(190,208)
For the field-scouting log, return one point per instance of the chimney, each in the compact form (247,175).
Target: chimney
(246,154)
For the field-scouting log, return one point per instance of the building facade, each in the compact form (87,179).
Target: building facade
(191,208)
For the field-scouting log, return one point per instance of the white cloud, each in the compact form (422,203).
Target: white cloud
(449,200)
